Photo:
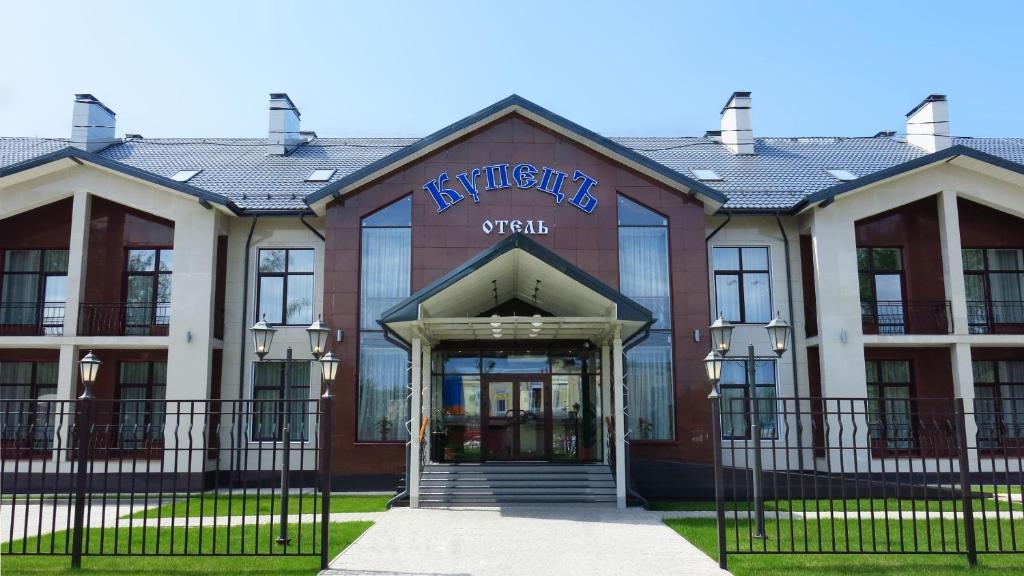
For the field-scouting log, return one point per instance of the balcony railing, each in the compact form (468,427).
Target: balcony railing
(913,317)
(31,318)
(124,319)
(995,317)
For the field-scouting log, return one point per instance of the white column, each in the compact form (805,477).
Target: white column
(952,259)
(606,397)
(426,399)
(963,386)
(414,424)
(620,425)
(78,255)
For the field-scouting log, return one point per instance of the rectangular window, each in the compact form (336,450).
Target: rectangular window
(880,272)
(742,284)
(994,280)
(889,411)
(148,290)
(268,405)
(142,388)
(644,277)
(285,286)
(736,404)
(384,280)
(33,288)
(999,402)
(26,423)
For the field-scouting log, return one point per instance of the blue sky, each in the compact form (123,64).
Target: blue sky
(204,68)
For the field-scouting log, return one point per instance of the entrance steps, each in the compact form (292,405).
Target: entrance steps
(515,482)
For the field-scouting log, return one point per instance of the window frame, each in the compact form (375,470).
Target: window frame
(882,443)
(258,314)
(250,437)
(149,400)
(669,330)
(742,320)
(874,272)
(359,309)
(42,275)
(985,274)
(30,451)
(997,400)
(747,402)
(154,274)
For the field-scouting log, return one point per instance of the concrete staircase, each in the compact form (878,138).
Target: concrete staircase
(516,482)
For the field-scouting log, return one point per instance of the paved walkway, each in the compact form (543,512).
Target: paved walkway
(522,540)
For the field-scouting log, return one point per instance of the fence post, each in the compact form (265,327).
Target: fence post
(965,483)
(325,474)
(83,424)
(716,433)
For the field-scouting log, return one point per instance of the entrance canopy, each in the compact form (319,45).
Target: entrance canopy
(461,305)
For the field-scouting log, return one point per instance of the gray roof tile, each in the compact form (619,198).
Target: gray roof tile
(781,173)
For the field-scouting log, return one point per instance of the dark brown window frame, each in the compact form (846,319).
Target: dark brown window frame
(155,319)
(260,275)
(739,274)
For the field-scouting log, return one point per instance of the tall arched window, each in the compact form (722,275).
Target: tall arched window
(644,277)
(384,280)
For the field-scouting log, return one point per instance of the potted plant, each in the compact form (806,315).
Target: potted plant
(384,427)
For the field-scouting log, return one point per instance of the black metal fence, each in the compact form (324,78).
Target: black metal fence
(888,475)
(124,318)
(910,317)
(95,477)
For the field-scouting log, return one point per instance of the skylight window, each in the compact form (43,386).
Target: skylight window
(320,176)
(842,175)
(185,175)
(706,174)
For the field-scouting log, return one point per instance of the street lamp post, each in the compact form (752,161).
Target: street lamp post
(263,337)
(88,369)
(721,339)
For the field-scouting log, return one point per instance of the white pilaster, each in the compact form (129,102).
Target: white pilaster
(78,255)
(841,337)
(190,334)
(67,380)
(414,424)
(620,425)
(952,259)
(606,397)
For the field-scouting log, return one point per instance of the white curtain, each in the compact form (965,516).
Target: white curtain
(383,381)
(1007,286)
(649,388)
(644,270)
(386,267)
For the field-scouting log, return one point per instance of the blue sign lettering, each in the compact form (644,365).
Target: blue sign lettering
(525,177)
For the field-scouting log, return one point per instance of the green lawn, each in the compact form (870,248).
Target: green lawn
(251,505)
(702,533)
(864,504)
(248,540)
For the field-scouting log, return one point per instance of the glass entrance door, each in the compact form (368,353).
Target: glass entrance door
(516,418)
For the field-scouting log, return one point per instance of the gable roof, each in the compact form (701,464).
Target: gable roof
(511,104)
(80,156)
(828,194)
(408,309)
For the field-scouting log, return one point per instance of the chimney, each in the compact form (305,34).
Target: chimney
(284,133)
(737,131)
(92,124)
(928,124)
